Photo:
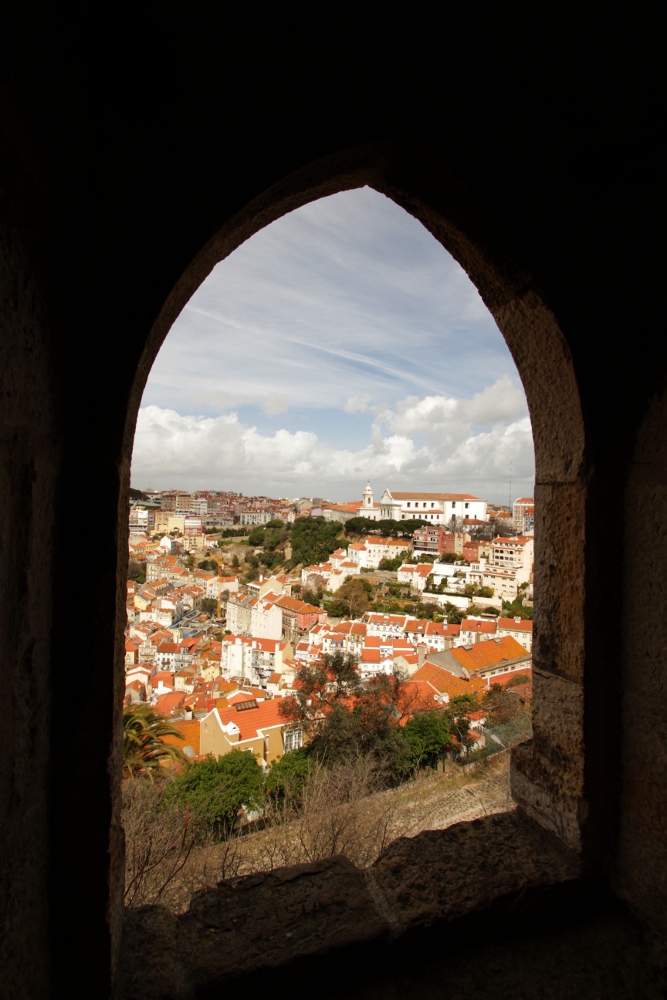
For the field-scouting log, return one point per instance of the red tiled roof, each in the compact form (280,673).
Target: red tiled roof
(510,624)
(250,720)
(190,730)
(166,703)
(445,683)
(489,653)
(469,625)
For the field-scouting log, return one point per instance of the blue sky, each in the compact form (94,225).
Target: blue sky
(340,343)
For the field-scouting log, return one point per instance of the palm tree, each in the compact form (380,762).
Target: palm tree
(143,746)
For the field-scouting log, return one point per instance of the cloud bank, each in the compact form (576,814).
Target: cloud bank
(432,442)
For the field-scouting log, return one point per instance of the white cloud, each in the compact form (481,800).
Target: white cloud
(275,404)
(436,442)
(358,404)
(391,363)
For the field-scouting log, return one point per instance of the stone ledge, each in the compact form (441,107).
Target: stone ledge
(272,919)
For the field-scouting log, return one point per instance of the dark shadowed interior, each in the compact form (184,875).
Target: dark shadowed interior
(135,156)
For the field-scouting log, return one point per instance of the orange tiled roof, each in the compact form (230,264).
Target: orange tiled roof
(516,626)
(489,653)
(190,730)
(442,682)
(166,703)
(250,720)
(469,625)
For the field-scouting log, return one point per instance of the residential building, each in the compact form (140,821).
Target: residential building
(339,511)
(523,514)
(475,630)
(250,725)
(514,553)
(386,625)
(519,628)
(488,660)
(370,552)
(415,575)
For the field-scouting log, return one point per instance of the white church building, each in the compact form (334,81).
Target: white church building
(437,507)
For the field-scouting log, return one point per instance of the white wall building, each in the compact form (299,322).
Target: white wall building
(370,553)
(437,507)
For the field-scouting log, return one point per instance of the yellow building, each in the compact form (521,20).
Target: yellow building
(251,725)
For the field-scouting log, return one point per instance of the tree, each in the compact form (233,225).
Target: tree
(136,571)
(321,686)
(235,562)
(208,564)
(256,537)
(313,540)
(208,605)
(517,609)
(346,719)
(502,705)
(216,788)
(459,723)
(428,737)
(144,748)
(273,536)
(352,598)
(287,776)
(391,564)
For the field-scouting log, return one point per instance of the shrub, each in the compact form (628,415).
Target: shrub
(215,789)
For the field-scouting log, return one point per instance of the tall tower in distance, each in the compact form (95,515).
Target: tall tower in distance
(368,496)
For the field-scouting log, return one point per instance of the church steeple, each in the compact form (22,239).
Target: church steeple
(368,496)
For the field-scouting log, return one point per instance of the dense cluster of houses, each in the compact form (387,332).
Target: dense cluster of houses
(222,678)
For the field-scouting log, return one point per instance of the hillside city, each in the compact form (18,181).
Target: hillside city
(207,628)
(355,650)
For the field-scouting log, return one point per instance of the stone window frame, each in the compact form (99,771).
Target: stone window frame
(548,776)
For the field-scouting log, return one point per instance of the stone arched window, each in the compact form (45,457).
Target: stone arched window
(548,777)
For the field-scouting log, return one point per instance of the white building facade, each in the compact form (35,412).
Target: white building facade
(437,507)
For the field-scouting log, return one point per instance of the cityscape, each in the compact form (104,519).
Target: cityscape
(293,627)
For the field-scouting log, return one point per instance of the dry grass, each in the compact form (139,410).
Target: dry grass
(342,813)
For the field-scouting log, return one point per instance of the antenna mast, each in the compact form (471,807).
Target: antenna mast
(509,506)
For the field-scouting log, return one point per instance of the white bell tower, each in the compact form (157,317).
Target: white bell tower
(368,496)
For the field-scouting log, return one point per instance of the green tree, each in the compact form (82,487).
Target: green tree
(256,537)
(215,789)
(235,562)
(208,605)
(321,686)
(272,538)
(391,564)
(351,599)
(428,737)
(517,609)
(346,719)
(287,776)
(136,571)
(144,748)
(313,540)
